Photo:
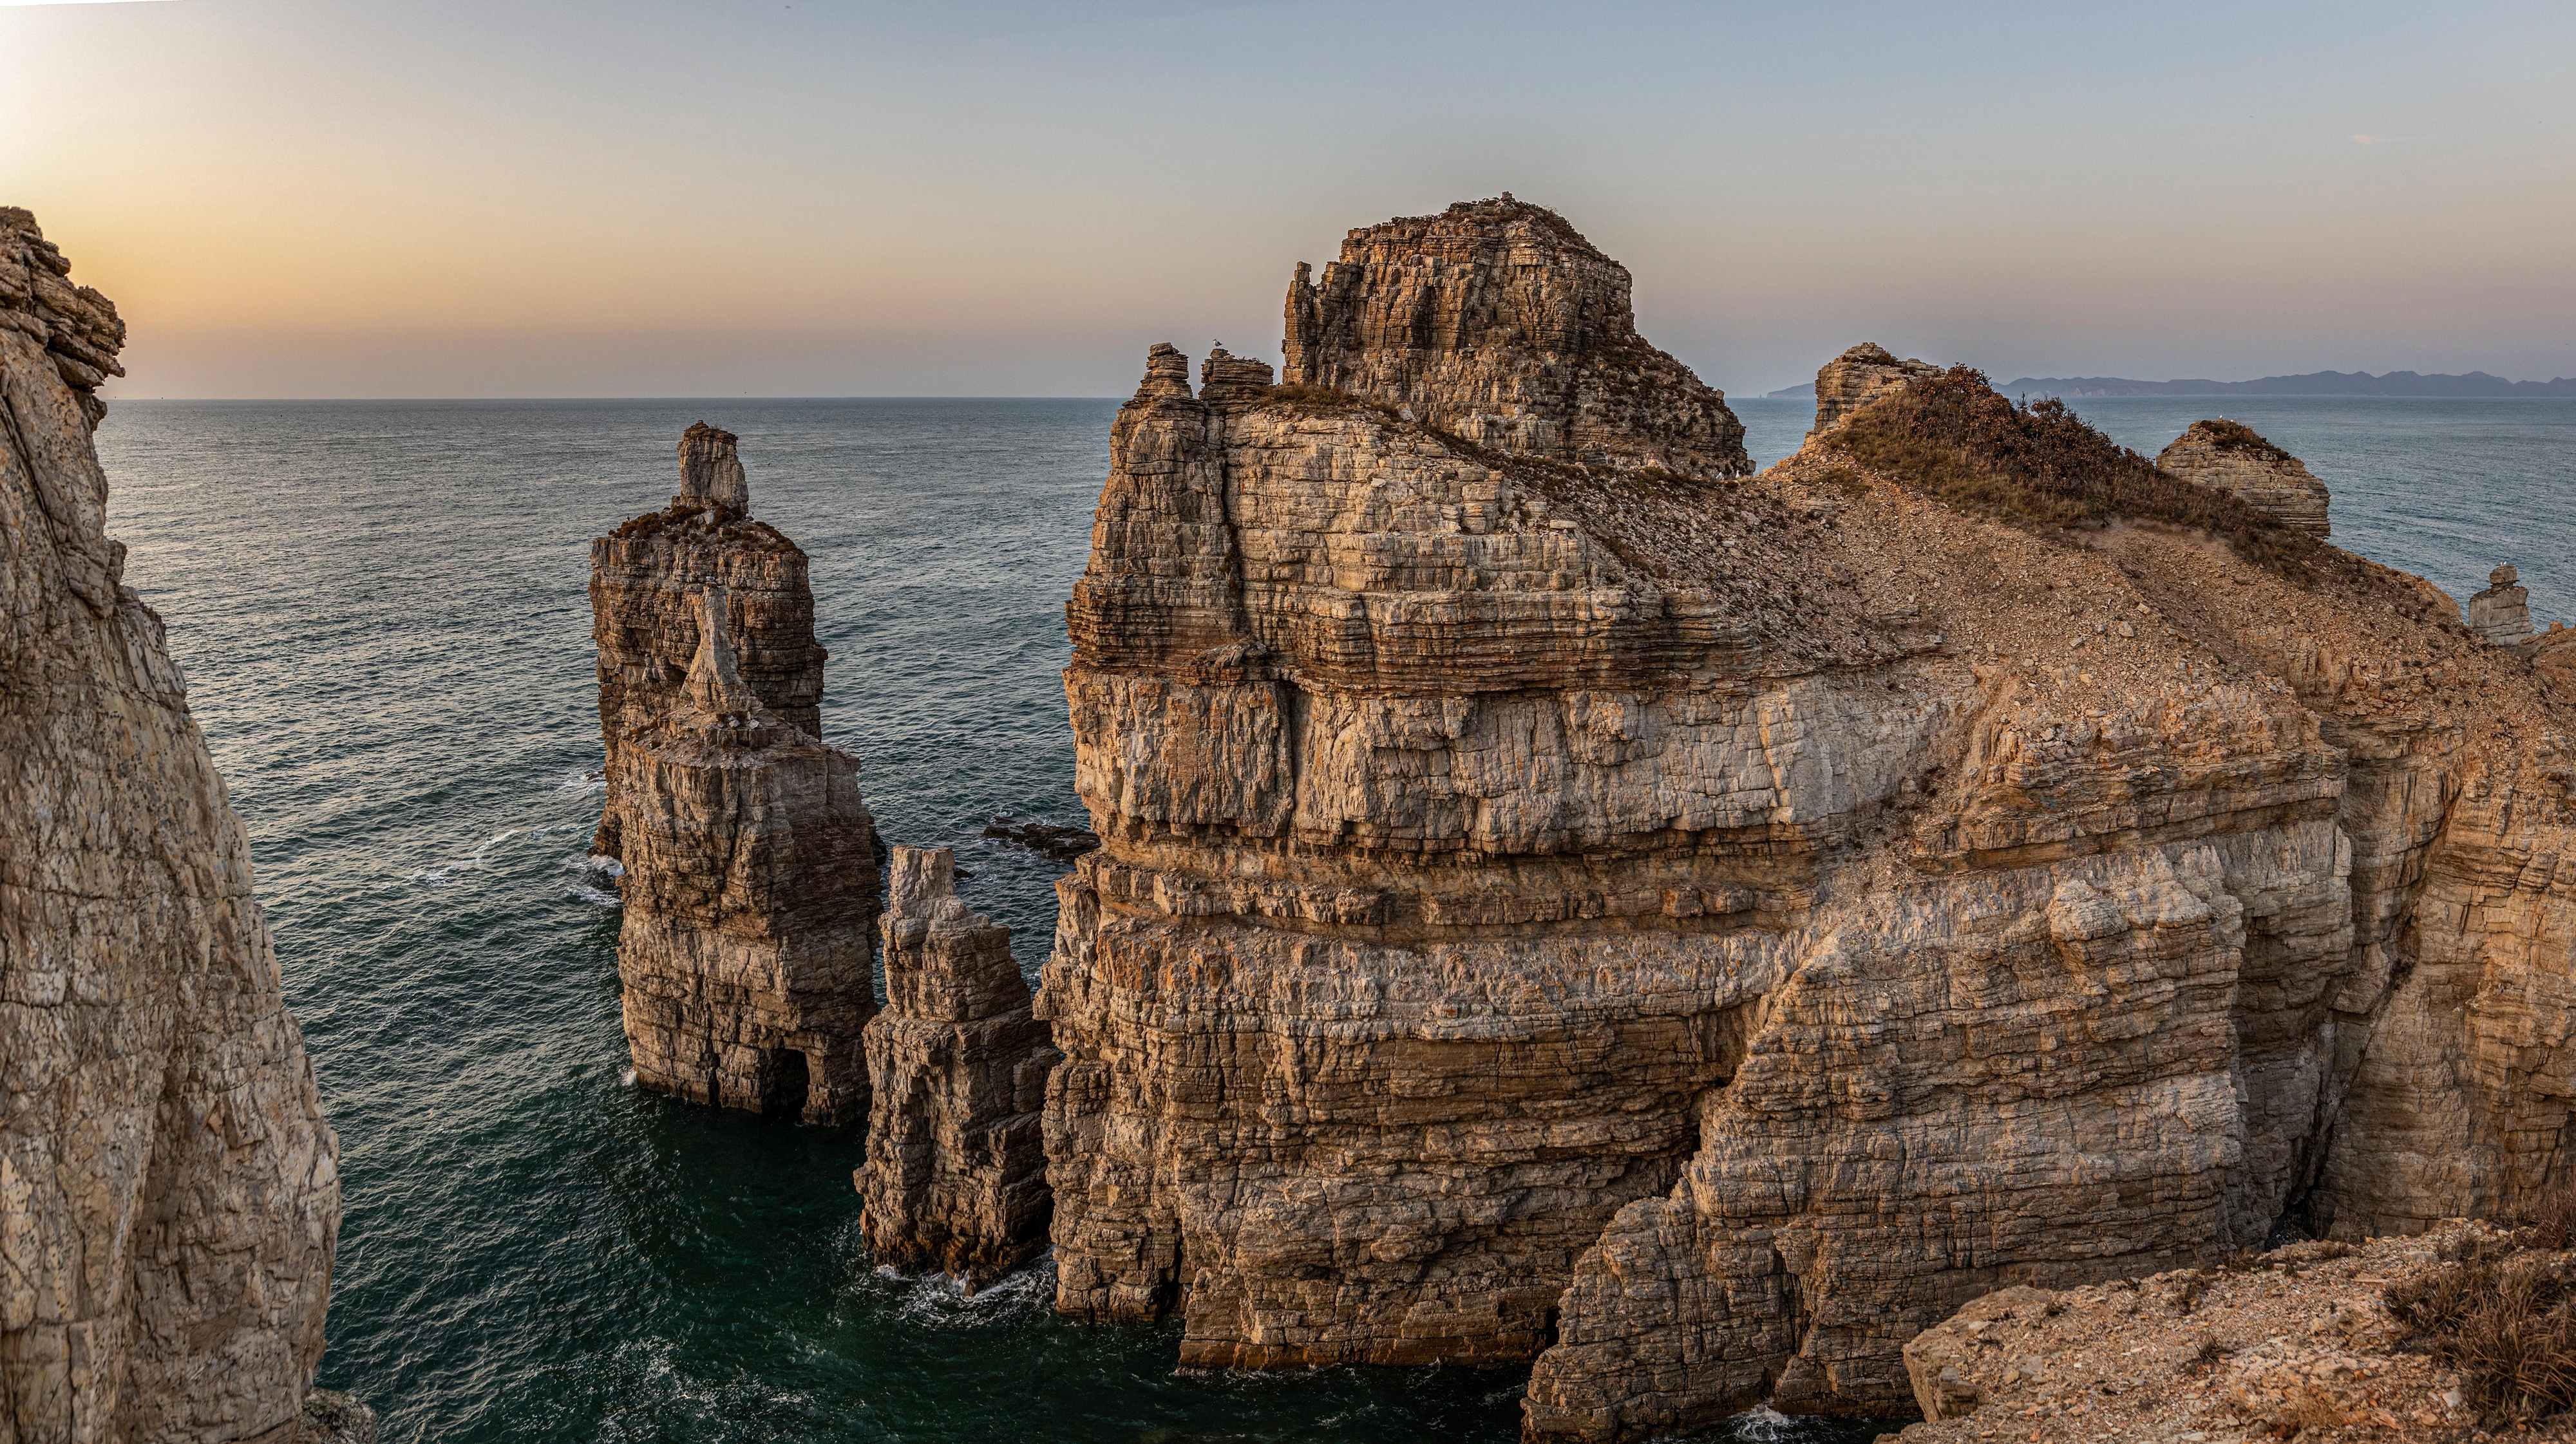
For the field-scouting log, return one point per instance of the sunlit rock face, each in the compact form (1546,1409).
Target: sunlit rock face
(751,896)
(2231,457)
(955,1179)
(1700,933)
(1859,376)
(169,1190)
(645,578)
(1495,321)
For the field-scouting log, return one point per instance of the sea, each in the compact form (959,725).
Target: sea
(380,607)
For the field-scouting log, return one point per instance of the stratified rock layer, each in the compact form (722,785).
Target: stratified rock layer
(1495,321)
(2502,613)
(750,888)
(169,1191)
(1859,376)
(2231,457)
(1709,932)
(955,1178)
(644,581)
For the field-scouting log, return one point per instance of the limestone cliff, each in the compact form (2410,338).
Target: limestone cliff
(169,1191)
(955,1177)
(1497,322)
(2234,458)
(1859,376)
(748,945)
(1703,933)
(644,578)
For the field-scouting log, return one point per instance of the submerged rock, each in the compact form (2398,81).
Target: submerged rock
(751,892)
(1702,934)
(169,1190)
(2231,457)
(955,1178)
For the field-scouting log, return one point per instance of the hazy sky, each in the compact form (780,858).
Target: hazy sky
(648,198)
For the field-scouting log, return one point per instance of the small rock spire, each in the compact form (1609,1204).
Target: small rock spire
(709,470)
(715,684)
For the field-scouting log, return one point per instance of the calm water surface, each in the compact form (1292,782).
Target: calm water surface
(381,609)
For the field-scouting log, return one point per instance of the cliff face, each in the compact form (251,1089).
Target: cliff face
(1496,322)
(644,578)
(1708,932)
(169,1191)
(955,1178)
(2233,458)
(751,899)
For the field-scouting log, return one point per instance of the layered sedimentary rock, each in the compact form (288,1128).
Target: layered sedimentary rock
(2502,613)
(644,580)
(169,1190)
(748,946)
(955,1178)
(1497,322)
(1859,376)
(1704,933)
(2234,458)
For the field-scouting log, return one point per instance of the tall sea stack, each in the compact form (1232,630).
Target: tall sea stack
(1555,900)
(169,1191)
(644,581)
(955,1178)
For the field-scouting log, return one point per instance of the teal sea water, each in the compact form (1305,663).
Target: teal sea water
(381,610)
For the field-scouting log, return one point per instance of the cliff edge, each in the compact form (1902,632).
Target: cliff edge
(170,1189)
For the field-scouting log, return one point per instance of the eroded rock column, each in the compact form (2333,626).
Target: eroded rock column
(955,1178)
(751,899)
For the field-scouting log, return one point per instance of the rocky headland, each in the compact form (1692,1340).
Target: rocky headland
(955,1178)
(1559,898)
(169,1189)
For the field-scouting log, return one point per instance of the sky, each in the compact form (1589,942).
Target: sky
(651,198)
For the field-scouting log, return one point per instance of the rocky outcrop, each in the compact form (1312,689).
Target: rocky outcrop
(644,581)
(169,1191)
(955,1178)
(2502,613)
(1497,322)
(2234,458)
(750,886)
(1703,934)
(1859,376)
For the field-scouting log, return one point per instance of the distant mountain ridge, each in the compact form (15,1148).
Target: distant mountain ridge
(2314,383)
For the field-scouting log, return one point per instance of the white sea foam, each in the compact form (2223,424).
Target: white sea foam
(937,1301)
(584,783)
(594,896)
(1763,1423)
(627,1078)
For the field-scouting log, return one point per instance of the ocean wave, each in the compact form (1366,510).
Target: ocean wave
(582,784)
(594,896)
(936,1301)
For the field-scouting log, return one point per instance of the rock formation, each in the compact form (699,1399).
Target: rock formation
(748,946)
(955,1178)
(2502,613)
(1704,933)
(644,579)
(1859,376)
(1497,323)
(2234,458)
(169,1191)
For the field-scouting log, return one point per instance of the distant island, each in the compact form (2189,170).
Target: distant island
(2314,383)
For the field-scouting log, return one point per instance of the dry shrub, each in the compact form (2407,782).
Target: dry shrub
(2229,435)
(2551,1217)
(2041,465)
(2508,1326)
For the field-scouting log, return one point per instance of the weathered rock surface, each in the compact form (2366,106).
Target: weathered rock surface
(2231,457)
(169,1190)
(331,1417)
(748,947)
(1496,322)
(2502,613)
(1859,376)
(1710,932)
(644,581)
(955,1178)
